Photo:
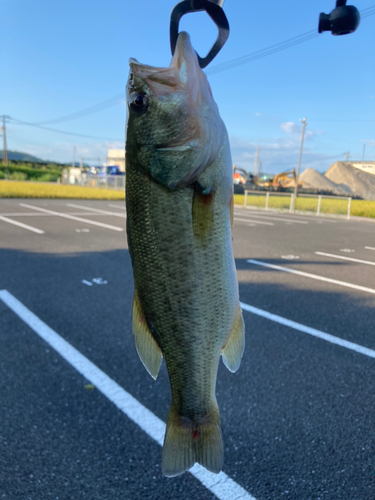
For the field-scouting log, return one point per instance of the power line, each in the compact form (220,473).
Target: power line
(20,122)
(87,111)
(264,52)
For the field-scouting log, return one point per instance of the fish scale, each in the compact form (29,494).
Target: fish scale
(186,305)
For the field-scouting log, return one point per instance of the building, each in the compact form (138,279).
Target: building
(366,166)
(116,157)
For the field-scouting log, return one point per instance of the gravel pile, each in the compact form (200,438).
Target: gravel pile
(311,179)
(347,177)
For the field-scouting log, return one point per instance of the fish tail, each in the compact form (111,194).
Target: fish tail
(187,442)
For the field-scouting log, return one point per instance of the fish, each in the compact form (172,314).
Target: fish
(179,201)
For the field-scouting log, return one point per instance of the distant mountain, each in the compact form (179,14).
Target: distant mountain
(17,156)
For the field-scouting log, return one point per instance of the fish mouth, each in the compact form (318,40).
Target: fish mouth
(183,65)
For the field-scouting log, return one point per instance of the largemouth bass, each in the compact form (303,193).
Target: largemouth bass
(179,199)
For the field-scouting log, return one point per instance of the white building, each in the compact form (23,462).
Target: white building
(116,157)
(366,166)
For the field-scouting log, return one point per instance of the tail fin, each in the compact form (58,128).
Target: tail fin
(187,442)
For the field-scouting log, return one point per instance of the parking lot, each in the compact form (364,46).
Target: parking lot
(81,418)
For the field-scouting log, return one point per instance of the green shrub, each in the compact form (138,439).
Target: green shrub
(48,178)
(32,174)
(17,176)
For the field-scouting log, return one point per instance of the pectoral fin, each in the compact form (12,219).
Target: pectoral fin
(233,350)
(203,212)
(147,347)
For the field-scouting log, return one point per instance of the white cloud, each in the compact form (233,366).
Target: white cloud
(291,128)
(258,114)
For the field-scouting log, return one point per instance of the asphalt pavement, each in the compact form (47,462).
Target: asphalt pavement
(297,418)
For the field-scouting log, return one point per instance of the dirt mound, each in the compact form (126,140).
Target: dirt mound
(345,176)
(312,179)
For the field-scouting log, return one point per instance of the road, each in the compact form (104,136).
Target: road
(298,417)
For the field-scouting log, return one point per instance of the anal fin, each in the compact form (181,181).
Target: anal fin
(233,350)
(147,347)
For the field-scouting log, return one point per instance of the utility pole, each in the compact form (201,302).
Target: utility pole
(347,154)
(363,154)
(304,123)
(5,151)
(74,157)
(255,169)
(81,163)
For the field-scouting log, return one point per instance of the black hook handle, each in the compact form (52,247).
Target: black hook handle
(215,11)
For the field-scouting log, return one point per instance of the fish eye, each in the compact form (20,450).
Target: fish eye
(138,102)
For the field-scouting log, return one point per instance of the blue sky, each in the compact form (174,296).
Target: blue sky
(58,58)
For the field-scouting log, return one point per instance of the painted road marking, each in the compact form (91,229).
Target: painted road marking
(346,258)
(255,221)
(97,210)
(24,226)
(313,276)
(370,248)
(39,214)
(269,217)
(311,331)
(346,250)
(72,217)
(117,206)
(220,485)
(311,218)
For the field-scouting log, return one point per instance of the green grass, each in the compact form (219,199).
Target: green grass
(27,173)
(359,208)
(14,189)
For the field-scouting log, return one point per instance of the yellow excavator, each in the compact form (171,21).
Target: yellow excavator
(276,183)
(283,180)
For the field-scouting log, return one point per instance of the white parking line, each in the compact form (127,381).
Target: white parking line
(313,276)
(24,226)
(97,210)
(269,217)
(346,258)
(220,485)
(370,248)
(311,331)
(255,221)
(72,217)
(311,218)
(122,207)
(40,214)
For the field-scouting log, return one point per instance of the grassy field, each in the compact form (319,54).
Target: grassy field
(17,189)
(359,208)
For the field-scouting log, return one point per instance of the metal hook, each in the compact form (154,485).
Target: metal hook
(215,11)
